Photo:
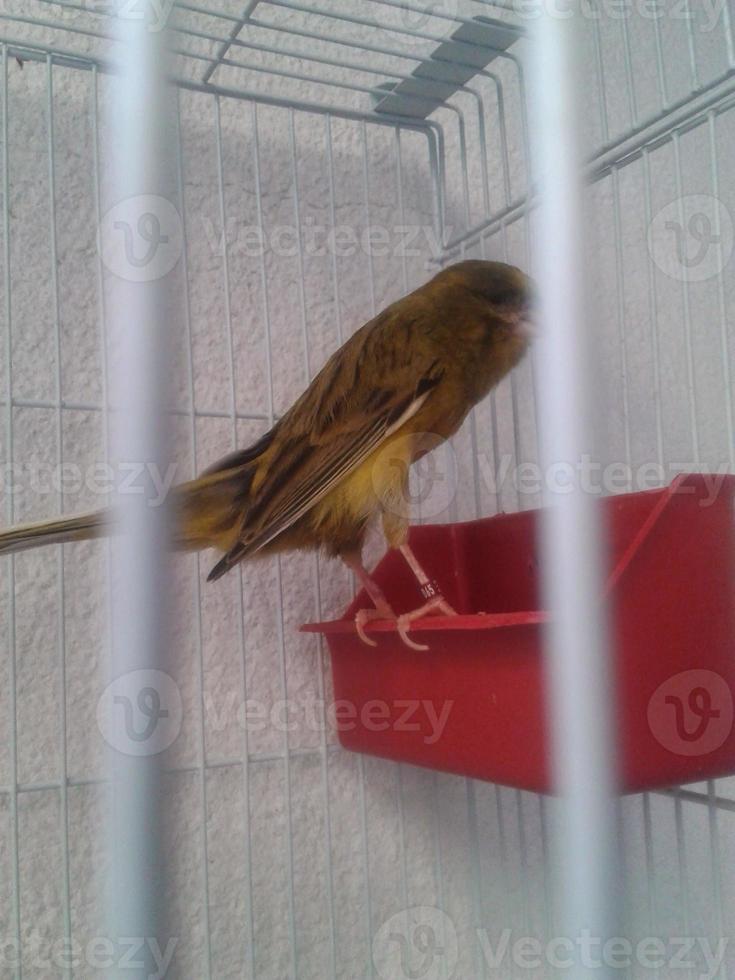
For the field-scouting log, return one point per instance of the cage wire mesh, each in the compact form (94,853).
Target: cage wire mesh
(314,186)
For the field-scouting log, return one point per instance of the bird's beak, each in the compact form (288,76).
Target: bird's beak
(526,326)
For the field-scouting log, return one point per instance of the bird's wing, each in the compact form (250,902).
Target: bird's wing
(365,393)
(241,457)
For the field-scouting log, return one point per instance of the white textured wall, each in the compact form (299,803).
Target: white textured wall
(399,836)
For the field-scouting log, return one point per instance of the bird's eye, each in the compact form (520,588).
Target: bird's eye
(505,298)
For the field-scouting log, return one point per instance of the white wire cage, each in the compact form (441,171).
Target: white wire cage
(321,172)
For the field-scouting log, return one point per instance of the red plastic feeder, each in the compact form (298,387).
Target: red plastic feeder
(476,702)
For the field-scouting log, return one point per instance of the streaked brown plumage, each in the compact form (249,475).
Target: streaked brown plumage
(329,464)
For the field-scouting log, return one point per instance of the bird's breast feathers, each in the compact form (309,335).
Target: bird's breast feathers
(376,484)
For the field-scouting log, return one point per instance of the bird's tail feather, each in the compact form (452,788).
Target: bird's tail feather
(207,513)
(57,531)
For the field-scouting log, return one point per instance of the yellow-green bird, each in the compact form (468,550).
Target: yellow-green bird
(340,455)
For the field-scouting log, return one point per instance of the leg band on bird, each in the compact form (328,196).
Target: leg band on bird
(430,590)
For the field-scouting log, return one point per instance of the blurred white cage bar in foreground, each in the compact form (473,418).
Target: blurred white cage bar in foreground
(303,209)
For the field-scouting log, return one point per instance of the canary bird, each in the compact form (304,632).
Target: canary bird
(341,454)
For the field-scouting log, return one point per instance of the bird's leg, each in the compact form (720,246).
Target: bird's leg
(429,588)
(435,603)
(395,528)
(382,608)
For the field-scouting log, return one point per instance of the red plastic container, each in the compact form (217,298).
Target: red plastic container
(476,702)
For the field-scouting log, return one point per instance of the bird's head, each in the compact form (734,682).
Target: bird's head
(506,293)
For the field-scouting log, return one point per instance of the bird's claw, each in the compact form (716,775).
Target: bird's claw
(362,617)
(436,606)
(403,624)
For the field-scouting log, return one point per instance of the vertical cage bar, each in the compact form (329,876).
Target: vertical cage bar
(691,386)
(504,154)
(438,861)
(476,872)
(398,158)
(366,194)
(729,38)
(621,317)
(104,367)
(523,861)
(602,91)
(549,917)
(694,73)
(436,144)
(724,339)
(653,916)
(629,77)
(63,761)
(713,816)
(12,651)
(525,128)
(482,135)
(504,856)
(197,590)
(571,550)
(466,200)
(360,761)
(279,576)
(481,965)
(716,869)
(138,307)
(240,602)
(683,865)
(653,314)
(660,65)
(493,423)
(104,354)
(513,384)
(404,279)
(324,755)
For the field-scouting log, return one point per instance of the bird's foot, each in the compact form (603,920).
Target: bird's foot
(438,606)
(365,616)
(435,603)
